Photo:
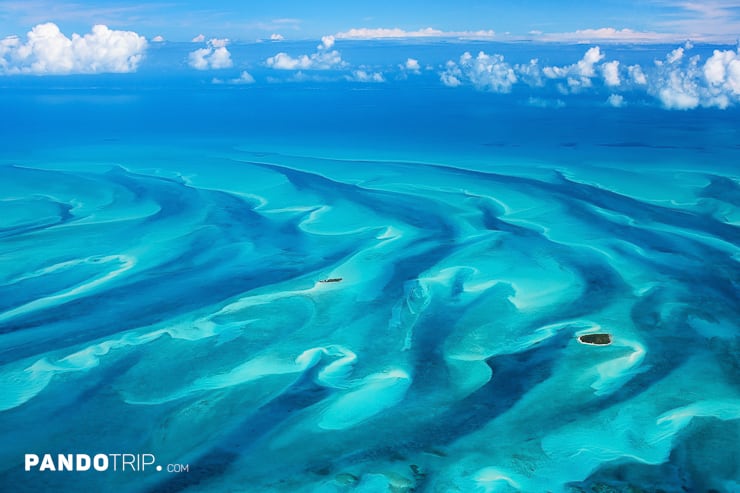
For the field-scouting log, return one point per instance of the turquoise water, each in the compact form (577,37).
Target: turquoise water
(161,252)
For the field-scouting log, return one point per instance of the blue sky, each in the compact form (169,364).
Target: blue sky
(308,42)
(713,20)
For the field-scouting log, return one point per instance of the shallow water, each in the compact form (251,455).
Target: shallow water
(164,298)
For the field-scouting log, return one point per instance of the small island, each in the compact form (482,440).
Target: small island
(595,339)
(331,279)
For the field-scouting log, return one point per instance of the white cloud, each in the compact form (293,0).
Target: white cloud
(214,56)
(722,74)
(315,61)
(489,72)
(326,43)
(276,37)
(611,73)
(283,61)
(706,20)
(47,50)
(197,58)
(637,75)
(615,100)
(218,42)
(675,56)
(723,69)
(546,103)
(676,84)
(580,73)
(158,39)
(323,59)
(686,84)
(198,39)
(679,95)
(715,70)
(530,73)
(243,79)
(412,65)
(586,64)
(386,33)
(363,76)
(678,81)
(221,58)
(607,34)
(451,77)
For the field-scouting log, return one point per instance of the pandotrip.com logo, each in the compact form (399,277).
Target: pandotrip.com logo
(99,463)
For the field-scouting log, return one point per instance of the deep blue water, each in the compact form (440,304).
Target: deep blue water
(162,240)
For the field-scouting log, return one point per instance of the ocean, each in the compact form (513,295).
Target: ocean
(166,242)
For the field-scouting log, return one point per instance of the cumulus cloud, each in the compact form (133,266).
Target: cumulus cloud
(198,39)
(685,83)
(214,56)
(637,75)
(489,72)
(452,75)
(315,61)
(158,39)
(676,84)
(615,100)
(530,73)
(493,73)
(679,92)
(363,76)
(218,43)
(678,81)
(674,56)
(386,33)
(412,65)
(324,59)
(583,68)
(243,79)
(46,50)
(579,74)
(722,70)
(611,73)
(276,37)
(721,73)
(326,43)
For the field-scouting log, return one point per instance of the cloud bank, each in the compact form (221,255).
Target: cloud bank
(678,81)
(608,35)
(47,51)
(395,33)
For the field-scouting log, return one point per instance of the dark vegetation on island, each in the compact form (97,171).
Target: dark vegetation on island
(596,339)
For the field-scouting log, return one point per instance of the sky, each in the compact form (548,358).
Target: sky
(698,65)
(244,20)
